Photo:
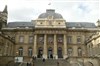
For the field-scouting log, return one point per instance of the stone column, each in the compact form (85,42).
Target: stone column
(45,47)
(6,48)
(35,46)
(65,47)
(55,47)
(12,50)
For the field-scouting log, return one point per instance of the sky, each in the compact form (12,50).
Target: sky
(71,10)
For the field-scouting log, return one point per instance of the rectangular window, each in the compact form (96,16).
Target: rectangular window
(21,39)
(69,39)
(50,39)
(78,39)
(29,52)
(70,50)
(41,39)
(60,39)
(30,39)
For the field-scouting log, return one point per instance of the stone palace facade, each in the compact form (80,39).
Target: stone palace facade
(49,36)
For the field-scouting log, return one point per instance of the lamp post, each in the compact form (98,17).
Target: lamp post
(16,59)
(83,58)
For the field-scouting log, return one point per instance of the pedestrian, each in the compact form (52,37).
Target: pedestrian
(43,59)
(57,63)
(33,58)
(27,64)
(51,56)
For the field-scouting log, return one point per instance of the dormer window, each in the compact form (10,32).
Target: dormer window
(79,25)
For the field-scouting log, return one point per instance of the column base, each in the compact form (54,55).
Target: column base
(55,56)
(65,56)
(45,56)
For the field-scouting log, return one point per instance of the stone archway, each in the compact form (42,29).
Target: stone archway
(40,52)
(60,52)
(50,51)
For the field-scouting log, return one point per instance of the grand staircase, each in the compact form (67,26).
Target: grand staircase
(48,62)
(51,62)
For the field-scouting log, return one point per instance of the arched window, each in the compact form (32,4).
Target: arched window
(79,51)
(30,51)
(20,51)
(70,51)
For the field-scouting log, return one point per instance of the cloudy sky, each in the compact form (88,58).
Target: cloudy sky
(71,10)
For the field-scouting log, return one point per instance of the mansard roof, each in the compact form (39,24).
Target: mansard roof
(68,24)
(80,25)
(20,24)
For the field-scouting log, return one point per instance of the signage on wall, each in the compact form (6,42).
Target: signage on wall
(18,59)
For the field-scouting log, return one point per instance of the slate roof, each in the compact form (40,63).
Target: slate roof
(80,25)
(20,24)
(68,24)
(50,12)
(5,9)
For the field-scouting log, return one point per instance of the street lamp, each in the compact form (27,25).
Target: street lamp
(16,58)
(83,58)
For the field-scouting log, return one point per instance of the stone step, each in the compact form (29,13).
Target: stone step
(51,62)
(48,62)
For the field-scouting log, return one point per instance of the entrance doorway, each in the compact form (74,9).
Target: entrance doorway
(50,55)
(60,52)
(40,52)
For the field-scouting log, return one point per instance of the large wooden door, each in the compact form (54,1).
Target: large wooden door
(60,52)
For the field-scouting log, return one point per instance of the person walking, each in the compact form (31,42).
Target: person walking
(43,60)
